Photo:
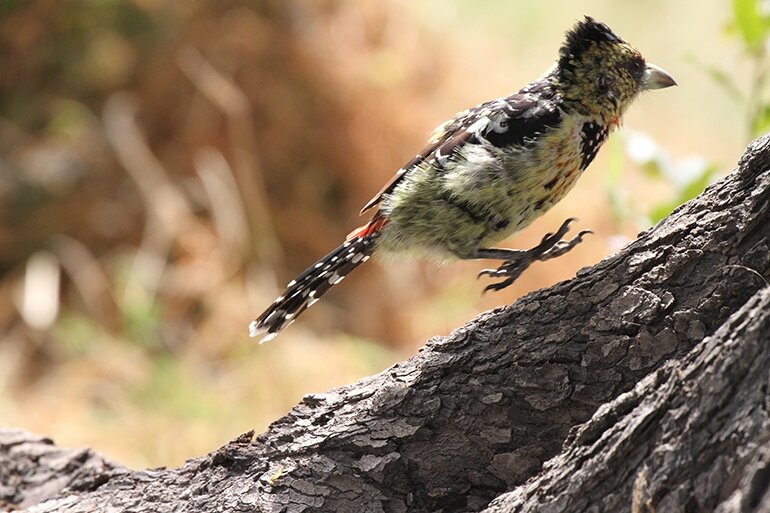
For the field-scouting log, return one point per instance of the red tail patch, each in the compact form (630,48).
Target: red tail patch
(369,228)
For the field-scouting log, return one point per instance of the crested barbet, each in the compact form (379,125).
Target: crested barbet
(491,170)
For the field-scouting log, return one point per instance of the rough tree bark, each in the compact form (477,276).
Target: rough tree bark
(645,380)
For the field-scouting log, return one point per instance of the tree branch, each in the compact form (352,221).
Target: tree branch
(476,414)
(686,437)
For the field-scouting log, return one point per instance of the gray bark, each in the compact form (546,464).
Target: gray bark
(692,435)
(682,424)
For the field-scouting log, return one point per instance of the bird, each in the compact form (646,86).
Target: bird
(491,170)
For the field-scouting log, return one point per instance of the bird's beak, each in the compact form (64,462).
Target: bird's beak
(655,78)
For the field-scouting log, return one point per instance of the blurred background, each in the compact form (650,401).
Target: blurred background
(166,167)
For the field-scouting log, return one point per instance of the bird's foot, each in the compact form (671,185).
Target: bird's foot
(551,246)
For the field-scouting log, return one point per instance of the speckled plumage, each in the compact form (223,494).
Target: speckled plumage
(492,169)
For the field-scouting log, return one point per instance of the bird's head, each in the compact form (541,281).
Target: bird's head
(599,74)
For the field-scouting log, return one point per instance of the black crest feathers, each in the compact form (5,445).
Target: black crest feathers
(582,35)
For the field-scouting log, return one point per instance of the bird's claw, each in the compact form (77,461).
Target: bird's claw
(563,246)
(551,246)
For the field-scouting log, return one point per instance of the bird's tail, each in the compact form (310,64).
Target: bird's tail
(308,287)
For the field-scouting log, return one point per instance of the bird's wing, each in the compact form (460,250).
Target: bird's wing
(514,120)
(449,131)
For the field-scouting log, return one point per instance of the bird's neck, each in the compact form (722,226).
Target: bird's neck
(577,96)
(571,98)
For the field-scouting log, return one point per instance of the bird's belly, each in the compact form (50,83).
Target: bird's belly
(537,183)
(480,201)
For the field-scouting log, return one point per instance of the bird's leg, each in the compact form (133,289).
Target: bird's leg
(516,261)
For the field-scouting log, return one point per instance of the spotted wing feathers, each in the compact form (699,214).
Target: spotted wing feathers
(516,120)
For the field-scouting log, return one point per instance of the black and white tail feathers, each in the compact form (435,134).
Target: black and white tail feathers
(313,283)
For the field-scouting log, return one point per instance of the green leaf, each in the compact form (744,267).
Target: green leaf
(760,122)
(686,193)
(752,26)
(661,210)
(654,169)
(696,186)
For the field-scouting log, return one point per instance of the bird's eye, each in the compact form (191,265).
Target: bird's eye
(636,67)
(504,124)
